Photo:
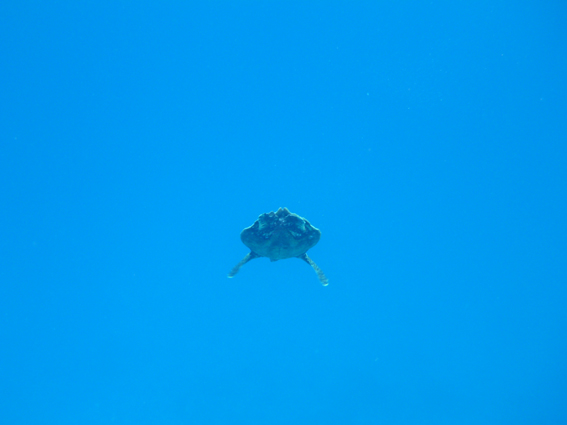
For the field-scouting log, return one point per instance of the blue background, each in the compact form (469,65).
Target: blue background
(426,141)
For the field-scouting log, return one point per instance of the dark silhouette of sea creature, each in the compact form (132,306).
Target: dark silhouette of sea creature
(280,235)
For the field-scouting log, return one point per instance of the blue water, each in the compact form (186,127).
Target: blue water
(426,141)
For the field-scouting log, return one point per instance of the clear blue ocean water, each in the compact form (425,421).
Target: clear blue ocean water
(427,141)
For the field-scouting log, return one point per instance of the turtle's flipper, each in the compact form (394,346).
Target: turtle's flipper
(319,272)
(250,256)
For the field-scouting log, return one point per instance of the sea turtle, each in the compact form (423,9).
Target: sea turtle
(278,236)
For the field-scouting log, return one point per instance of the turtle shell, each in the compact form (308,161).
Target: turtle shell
(280,235)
